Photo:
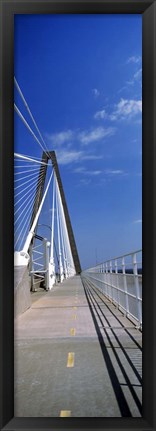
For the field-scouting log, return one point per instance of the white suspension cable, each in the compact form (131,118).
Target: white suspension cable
(23,204)
(28,158)
(26,176)
(25,188)
(38,179)
(29,128)
(30,235)
(28,109)
(63,247)
(27,171)
(25,231)
(30,189)
(28,197)
(52,222)
(66,237)
(16,220)
(58,229)
(51,272)
(60,207)
(24,166)
(24,224)
(32,198)
(26,182)
(68,247)
(58,234)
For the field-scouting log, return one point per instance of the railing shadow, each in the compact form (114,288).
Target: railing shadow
(97,314)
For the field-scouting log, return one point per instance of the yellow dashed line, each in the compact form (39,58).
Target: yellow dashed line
(70,359)
(75,308)
(65,413)
(74,316)
(72,331)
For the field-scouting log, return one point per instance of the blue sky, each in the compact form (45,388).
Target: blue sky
(81,76)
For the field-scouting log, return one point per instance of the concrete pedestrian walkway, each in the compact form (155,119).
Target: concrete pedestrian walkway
(76,355)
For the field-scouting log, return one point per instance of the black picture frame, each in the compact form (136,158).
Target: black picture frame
(7,11)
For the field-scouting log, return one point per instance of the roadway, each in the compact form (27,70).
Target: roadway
(76,355)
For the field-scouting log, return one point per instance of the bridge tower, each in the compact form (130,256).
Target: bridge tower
(38,197)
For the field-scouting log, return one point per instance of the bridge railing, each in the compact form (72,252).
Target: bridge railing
(120,279)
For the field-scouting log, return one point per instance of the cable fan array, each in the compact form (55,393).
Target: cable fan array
(29,178)
(28,174)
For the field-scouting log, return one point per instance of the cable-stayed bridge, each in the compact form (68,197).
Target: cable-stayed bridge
(77,333)
(29,201)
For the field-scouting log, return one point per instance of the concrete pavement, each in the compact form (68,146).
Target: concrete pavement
(76,355)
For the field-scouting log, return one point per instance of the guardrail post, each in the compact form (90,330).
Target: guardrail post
(125,285)
(107,280)
(111,287)
(116,272)
(135,272)
(104,278)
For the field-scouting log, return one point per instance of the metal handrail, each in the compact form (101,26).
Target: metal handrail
(115,258)
(122,288)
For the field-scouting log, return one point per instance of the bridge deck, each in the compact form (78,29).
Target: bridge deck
(76,355)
